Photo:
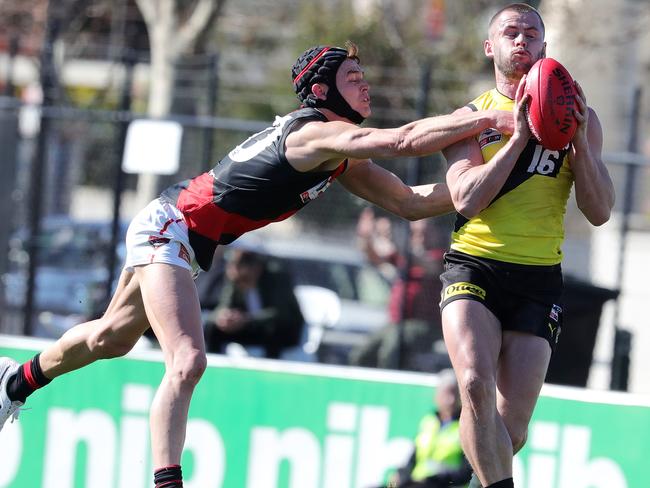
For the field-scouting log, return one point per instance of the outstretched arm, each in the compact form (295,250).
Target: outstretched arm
(594,188)
(383,188)
(317,142)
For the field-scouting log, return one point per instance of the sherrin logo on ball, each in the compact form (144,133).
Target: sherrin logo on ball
(549,110)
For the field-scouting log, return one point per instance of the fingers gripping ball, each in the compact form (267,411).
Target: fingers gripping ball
(552,101)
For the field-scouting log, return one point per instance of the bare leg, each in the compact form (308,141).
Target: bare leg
(522,369)
(172,306)
(473,337)
(112,335)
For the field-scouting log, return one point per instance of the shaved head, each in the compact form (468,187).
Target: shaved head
(521,8)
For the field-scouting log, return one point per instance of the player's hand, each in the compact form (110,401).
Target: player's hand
(522,130)
(503,121)
(581,113)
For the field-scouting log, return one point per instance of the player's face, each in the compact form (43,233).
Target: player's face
(353,87)
(516,42)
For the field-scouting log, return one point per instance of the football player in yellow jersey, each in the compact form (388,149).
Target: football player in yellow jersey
(502,283)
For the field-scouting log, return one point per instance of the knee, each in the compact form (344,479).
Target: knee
(478,392)
(188,367)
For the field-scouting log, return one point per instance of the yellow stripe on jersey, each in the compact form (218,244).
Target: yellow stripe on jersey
(525,223)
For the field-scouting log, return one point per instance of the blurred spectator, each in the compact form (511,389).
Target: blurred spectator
(210,282)
(437,460)
(257,307)
(375,239)
(414,315)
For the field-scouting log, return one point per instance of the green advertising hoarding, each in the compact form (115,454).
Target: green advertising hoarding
(269,424)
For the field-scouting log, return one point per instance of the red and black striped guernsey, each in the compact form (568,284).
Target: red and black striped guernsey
(251,187)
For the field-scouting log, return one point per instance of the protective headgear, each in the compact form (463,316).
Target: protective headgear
(319,65)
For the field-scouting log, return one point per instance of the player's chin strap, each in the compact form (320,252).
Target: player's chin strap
(337,104)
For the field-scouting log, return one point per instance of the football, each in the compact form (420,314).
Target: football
(552,100)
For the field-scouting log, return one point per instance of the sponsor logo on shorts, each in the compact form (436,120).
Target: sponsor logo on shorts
(184,254)
(554,323)
(556,310)
(550,326)
(463,288)
(555,332)
(157,241)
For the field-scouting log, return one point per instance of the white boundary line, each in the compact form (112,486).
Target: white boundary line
(353,373)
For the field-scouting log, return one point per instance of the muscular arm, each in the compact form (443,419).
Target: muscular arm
(381,187)
(473,184)
(317,142)
(593,185)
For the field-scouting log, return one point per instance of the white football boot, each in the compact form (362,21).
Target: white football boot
(8,409)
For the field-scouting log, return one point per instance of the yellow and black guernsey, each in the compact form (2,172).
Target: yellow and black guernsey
(524,224)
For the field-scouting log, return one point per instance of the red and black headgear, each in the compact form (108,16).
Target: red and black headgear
(319,65)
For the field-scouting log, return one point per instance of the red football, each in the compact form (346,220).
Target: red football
(551,104)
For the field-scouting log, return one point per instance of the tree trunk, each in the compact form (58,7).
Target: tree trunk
(169,39)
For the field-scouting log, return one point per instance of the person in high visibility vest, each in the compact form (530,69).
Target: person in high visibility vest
(438,459)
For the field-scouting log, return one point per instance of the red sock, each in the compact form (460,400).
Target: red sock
(27,380)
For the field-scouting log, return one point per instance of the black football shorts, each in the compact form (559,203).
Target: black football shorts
(525,298)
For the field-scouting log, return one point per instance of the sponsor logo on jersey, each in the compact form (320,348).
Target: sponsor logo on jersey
(489,136)
(315,191)
(463,288)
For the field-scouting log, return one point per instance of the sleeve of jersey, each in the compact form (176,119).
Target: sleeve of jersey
(479,103)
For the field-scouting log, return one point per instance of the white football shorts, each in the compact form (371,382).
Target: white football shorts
(158,234)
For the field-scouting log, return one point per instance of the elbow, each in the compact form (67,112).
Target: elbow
(431,209)
(467,207)
(597,217)
(412,216)
(468,199)
(468,211)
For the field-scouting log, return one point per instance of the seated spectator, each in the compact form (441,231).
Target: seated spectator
(437,460)
(256,306)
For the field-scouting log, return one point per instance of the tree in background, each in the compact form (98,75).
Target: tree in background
(173,26)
